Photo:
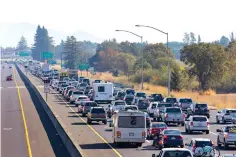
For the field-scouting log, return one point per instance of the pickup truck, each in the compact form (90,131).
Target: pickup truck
(173,115)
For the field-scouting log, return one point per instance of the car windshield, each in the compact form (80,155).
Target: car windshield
(201,105)
(92,104)
(230,129)
(203,143)
(185,100)
(141,95)
(121,94)
(77,93)
(170,132)
(131,108)
(143,105)
(80,98)
(171,100)
(199,119)
(83,85)
(164,105)
(177,153)
(175,110)
(130,91)
(159,125)
(131,122)
(119,103)
(231,111)
(98,110)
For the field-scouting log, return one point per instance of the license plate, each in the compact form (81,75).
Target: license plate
(173,138)
(200,124)
(131,134)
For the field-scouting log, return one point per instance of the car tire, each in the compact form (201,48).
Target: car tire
(208,116)
(89,121)
(186,130)
(182,124)
(139,144)
(223,120)
(217,120)
(154,119)
(105,122)
(218,143)
(226,146)
(182,146)
(83,115)
(207,132)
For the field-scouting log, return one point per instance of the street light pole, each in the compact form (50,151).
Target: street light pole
(141,52)
(168,53)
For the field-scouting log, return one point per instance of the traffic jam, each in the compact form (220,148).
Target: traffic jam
(135,117)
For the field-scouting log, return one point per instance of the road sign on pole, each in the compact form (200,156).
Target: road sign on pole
(24,54)
(83,66)
(47,55)
(46,87)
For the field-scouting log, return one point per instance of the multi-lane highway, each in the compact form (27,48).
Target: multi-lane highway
(25,128)
(96,139)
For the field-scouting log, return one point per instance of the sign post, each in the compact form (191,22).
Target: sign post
(46,88)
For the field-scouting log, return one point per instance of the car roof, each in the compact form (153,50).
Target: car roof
(201,139)
(178,149)
(198,116)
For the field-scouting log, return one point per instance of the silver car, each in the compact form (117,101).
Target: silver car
(225,115)
(197,123)
(173,115)
(227,136)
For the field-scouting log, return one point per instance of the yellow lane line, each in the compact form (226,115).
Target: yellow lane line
(105,141)
(23,115)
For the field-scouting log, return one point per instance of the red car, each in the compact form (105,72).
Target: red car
(9,78)
(155,128)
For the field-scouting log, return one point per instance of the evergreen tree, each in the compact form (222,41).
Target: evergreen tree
(42,43)
(192,38)
(199,39)
(186,39)
(22,44)
(177,79)
(71,53)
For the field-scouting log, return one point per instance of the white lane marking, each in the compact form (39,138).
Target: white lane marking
(213,133)
(148,141)
(7,129)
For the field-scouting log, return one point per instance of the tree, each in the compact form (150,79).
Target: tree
(22,44)
(232,37)
(199,39)
(177,80)
(224,41)
(42,43)
(71,53)
(206,61)
(186,39)
(192,38)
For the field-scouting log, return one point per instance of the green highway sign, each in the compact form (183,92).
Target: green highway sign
(24,54)
(83,66)
(47,55)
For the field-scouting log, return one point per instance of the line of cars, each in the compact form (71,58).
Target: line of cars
(132,111)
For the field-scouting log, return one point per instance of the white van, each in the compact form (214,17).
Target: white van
(129,127)
(103,92)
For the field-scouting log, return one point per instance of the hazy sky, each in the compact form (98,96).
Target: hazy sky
(209,18)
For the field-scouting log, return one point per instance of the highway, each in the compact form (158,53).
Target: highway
(95,139)
(26,131)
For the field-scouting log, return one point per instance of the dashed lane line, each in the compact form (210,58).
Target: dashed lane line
(105,141)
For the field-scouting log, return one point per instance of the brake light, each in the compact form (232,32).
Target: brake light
(208,123)
(118,133)
(227,135)
(194,147)
(166,115)
(143,134)
(83,107)
(165,137)
(196,109)
(180,137)
(191,123)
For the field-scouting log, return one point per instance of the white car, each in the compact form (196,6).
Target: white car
(197,123)
(117,105)
(80,99)
(75,95)
(152,108)
(174,152)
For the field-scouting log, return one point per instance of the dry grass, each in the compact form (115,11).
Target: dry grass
(214,100)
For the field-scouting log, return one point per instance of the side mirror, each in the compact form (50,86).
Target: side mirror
(153,155)
(218,130)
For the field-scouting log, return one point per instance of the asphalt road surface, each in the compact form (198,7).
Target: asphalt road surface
(96,139)
(25,128)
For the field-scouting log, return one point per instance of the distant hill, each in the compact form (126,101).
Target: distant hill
(11,33)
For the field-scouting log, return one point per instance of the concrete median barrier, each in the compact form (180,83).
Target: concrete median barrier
(71,147)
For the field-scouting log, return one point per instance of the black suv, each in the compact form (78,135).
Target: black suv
(199,109)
